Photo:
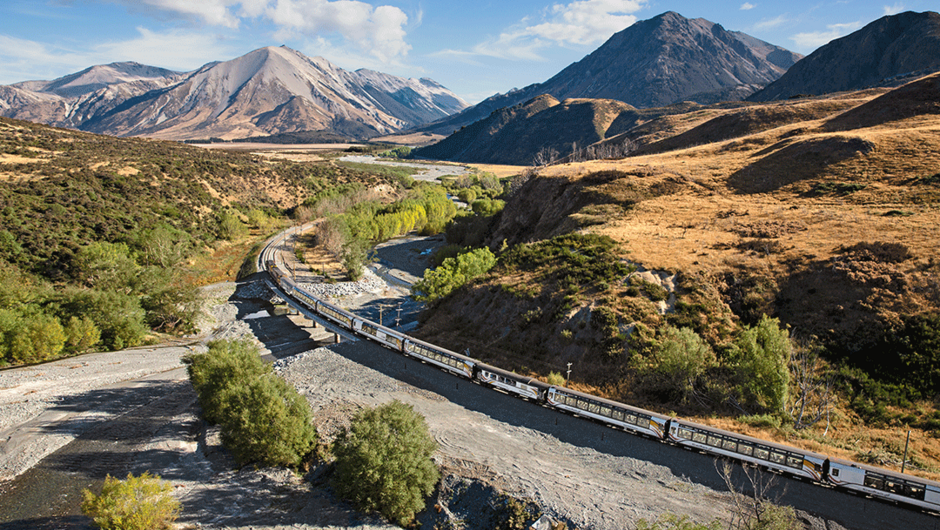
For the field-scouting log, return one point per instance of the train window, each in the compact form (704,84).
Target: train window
(777,458)
(761,453)
(583,405)
(685,434)
(714,441)
(745,449)
(835,471)
(631,418)
(795,462)
(729,445)
(915,492)
(699,437)
(605,411)
(617,415)
(874,482)
(594,407)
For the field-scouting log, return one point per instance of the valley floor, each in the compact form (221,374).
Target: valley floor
(66,424)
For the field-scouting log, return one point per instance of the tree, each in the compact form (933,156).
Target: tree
(268,422)
(137,503)
(227,363)
(231,226)
(118,316)
(756,510)
(760,355)
(682,357)
(108,266)
(383,462)
(81,334)
(263,418)
(452,274)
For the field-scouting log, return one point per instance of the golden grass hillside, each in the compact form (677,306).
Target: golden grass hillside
(823,212)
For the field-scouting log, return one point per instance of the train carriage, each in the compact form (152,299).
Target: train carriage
(340,316)
(611,412)
(885,484)
(446,359)
(379,333)
(740,447)
(526,387)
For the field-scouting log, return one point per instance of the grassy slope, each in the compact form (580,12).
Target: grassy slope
(62,189)
(759,209)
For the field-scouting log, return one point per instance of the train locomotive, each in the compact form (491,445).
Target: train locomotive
(878,483)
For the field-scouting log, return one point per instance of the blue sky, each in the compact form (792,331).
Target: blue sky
(475,48)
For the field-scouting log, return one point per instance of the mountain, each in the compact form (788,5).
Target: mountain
(517,134)
(653,63)
(887,52)
(71,100)
(268,91)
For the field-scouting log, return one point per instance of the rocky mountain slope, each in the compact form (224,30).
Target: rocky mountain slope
(653,63)
(517,134)
(268,91)
(74,99)
(887,52)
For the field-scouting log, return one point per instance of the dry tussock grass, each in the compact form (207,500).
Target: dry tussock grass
(757,203)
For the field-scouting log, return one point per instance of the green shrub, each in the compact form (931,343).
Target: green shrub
(453,274)
(555,378)
(268,422)
(263,419)
(670,521)
(682,357)
(137,503)
(81,334)
(118,316)
(227,364)
(383,462)
(760,355)
(29,336)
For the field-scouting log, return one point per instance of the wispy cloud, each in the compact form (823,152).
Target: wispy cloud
(378,31)
(747,6)
(772,23)
(813,40)
(22,59)
(579,23)
(174,49)
(898,7)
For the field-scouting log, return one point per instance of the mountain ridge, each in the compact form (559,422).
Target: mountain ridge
(271,90)
(639,66)
(886,52)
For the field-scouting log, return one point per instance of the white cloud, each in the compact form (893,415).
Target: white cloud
(22,60)
(898,7)
(178,50)
(813,40)
(377,31)
(771,23)
(214,12)
(747,6)
(579,23)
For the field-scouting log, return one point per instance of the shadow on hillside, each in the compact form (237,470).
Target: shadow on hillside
(793,160)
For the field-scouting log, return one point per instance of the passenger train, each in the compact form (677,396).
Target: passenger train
(819,468)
